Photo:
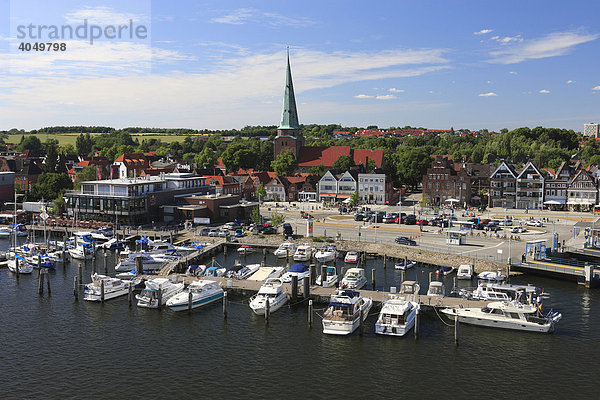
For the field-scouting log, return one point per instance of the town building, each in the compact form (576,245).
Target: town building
(131,165)
(328,187)
(591,130)
(7,186)
(582,192)
(209,209)
(556,186)
(503,183)
(530,188)
(374,189)
(446,183)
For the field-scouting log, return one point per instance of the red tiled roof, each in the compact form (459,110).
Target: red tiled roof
(220,163)
(326,156)
(360,156)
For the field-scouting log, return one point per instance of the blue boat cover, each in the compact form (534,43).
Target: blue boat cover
(299,268)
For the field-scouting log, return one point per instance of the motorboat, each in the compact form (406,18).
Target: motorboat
(272,291)
(214,271)
(7,231)
(196,270)
(41,260)
(246,271)
(327,253)
(404,266)
(303,253)
(492,291)
(445,270)
(149,262)
(331,277)
(354,279)
(245,249)
(397,315)
(83,251)
(465,271)
(344,313)
(351,257)
(113,287)
(285,249)
(300,270)
(264,273)
(507,315)
(57,256)
(494,276)
(148,298)
(113,244)
(436,289)
(203,292)
(23,266)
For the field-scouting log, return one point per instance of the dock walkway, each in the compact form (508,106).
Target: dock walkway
(191,258)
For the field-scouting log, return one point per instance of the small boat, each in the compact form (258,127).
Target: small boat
(445,270)
(246,271)
(465,271)
(303,253)
(245,250)
(84,251)
(7,231)
(344,313)
(41,260)
(409,264)
(436,289)
(214,271)
(327,253)
(331,278)
(24,266)
(148,298)
(264,273)
(354,279)
(507,315)
(351,257)
(271,290)
(203,292)
(397,315)
(196,270)
(285,249)
(113,287)
(113,244)
(494,276)
(57,256)
(492,291)
(299,270)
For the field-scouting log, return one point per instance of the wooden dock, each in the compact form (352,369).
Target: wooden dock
(175,266)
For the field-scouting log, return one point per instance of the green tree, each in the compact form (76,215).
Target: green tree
(255,216)
(261,192)
(412,164)
(285,164)
(89,173)
(52,159)
(318,170)
(30,142)
(344,163)
(207,158)
(277,219)
(354,199)
(49,186)
(59,205)
(84,144)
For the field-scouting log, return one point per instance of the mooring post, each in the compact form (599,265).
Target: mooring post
(171,237)
(589,275)
(139,265)
(75,288)
(80,275)
(264,254)
(267,311)
(456,329)
(225,250)
(105,261)
(294,288)
(48,282)
(130,294)
(323,275)
(402,275)
(102,291)
(159,297)
(361,323)
(225,305)
(40,282)
(385,261)
(17,266)
(405,262)
(94,252)
(454,283)
(306,291)
(430,277)
(190,301)
(287,253)
(313,274)
(310,313)
(373,278)
(64,258)
(416,328)
(39,262)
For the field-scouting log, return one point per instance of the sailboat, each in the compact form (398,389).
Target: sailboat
(17,264)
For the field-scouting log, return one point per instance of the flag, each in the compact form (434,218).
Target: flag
(99,173)
(111,172)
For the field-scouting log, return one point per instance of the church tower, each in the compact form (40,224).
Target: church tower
(289,134)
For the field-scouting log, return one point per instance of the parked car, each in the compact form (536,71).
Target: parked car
(204,231)
(411,219)
(359,217)
(268,230)
(223,233)
(213,232)
(518,229)
(405,241)
(493,227)
(506,222)
(239,232)
(231,225)
(422,222)
(287,230)
(536,223)
(390,218)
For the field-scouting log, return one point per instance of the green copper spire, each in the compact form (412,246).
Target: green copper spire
(289,115)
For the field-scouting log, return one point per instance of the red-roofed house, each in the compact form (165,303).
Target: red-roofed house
(224,184)
(99,162)
(131,164)
(361,156)
(327,156)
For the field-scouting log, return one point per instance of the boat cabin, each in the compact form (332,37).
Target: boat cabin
(437,289)
(409,288)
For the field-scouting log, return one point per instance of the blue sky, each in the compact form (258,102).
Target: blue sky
(221,64)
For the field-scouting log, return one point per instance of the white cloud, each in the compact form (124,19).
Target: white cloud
(483,32)
(551,45)
(596,88)
(544,91)
(103,16)
(489,82)
(512,72)
(394,90)
(245,15)
(363,96)
(507,39)
(489,94)
(385,97)
(570,81)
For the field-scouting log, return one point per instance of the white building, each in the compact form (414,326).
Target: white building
(371,188)
(591,130)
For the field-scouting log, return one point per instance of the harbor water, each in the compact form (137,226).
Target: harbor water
(57,347)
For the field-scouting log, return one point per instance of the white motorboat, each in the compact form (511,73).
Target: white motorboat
(113,287)
(397,315)
(24,266)
(436,289)
(285,249)
(245,249)
(465,271)
(203,292)
(327,253)
(271,290)
(148,298)
(507,315)
(214,271)
(494,276)
(300,270)
(83,251)
(331,277)
(351,257)
(491,291)
(57,256)
(7,231)
(113,244)
(41,260)
(246,271)
(354,279)
(402,266)
(264,273)
(303,253)
(346,307)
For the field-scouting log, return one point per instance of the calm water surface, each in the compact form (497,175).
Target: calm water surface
(57,347)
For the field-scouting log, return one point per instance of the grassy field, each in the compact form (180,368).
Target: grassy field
(70,138)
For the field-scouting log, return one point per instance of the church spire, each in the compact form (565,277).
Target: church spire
(289,114)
